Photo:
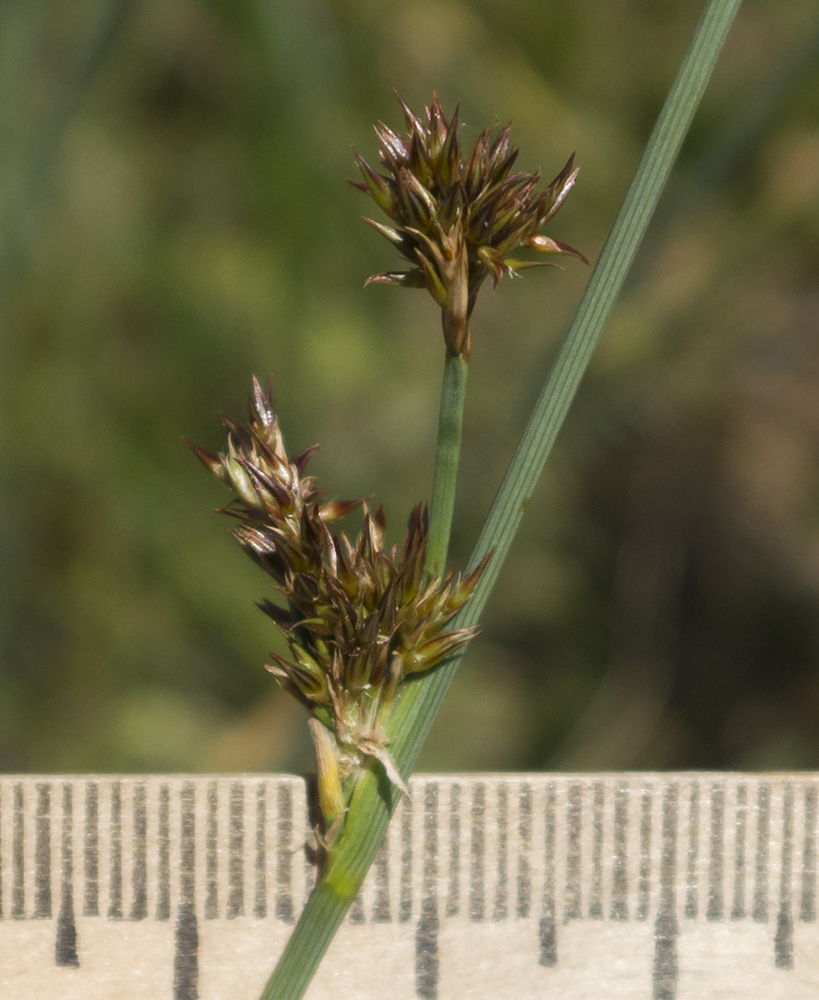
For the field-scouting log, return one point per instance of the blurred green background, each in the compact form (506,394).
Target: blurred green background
(174,217)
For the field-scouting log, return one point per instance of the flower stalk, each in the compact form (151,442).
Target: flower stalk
(447,453)
(457,220)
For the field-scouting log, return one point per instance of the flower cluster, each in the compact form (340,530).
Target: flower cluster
(458,221)
(357,619)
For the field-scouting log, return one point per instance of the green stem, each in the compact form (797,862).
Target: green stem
(347,864)
(319,921)
(375,798)
(447,452)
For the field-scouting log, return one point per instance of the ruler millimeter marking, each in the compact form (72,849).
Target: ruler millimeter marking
(656,886)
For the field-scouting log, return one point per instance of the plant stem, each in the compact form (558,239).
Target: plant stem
(447,452)
(347,864)
(375,798)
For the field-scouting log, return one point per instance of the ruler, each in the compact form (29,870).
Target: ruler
(573,886)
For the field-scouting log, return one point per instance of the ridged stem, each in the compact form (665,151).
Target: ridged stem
(447,453)
(375,798)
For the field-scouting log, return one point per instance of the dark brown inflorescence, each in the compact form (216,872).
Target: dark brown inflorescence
(357,619)
(458,220)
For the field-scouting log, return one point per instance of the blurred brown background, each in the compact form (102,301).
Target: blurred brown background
(174,217)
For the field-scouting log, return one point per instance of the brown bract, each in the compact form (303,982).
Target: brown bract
(458,220)
(357,618)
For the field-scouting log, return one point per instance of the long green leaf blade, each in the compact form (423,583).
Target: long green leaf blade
(374,798)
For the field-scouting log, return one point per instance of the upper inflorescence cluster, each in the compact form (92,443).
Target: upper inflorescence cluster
(458,220)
